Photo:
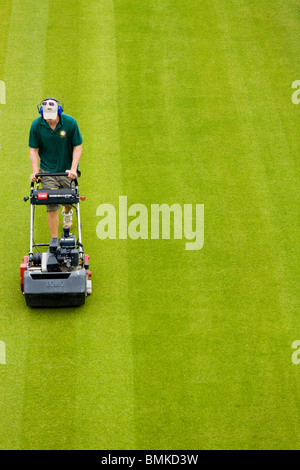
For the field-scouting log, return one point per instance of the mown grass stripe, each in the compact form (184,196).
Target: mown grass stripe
(105,398)
(23,78)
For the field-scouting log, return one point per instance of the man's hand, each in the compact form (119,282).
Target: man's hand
(72,174)
(33,178)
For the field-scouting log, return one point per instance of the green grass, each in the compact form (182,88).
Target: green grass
(182,102)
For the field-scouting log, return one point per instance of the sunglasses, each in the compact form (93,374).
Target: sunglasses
(49,103)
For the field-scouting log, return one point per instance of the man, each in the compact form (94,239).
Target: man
(56,141)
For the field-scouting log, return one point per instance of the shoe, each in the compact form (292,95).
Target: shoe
(67,221)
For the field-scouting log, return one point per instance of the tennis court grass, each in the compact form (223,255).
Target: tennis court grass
(182,102)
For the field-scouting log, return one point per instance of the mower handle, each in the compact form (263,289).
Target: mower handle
(51,174)
(38,175)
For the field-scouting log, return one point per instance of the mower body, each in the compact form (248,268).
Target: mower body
(55,289)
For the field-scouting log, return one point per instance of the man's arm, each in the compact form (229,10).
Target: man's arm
(77,151)
(34,159)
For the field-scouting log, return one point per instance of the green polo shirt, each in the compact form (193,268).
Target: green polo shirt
(55,147)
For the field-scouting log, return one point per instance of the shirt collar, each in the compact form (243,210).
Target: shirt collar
(59,124)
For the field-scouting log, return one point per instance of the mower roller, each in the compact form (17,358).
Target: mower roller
(55,274)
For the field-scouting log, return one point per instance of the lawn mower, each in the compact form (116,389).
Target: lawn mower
(55,274)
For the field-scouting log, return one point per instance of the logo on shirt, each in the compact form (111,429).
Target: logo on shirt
(63,133)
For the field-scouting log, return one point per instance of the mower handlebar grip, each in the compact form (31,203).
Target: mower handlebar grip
(38,175)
